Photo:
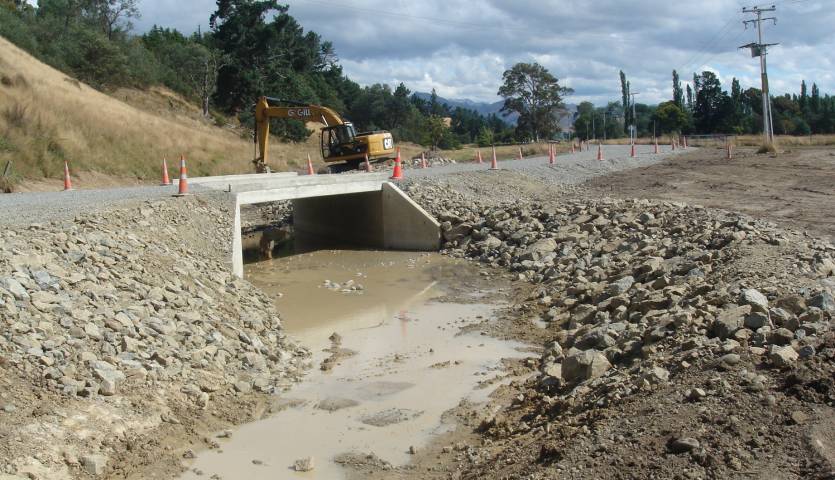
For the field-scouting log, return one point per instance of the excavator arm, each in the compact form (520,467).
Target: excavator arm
(339,141)
(298,111)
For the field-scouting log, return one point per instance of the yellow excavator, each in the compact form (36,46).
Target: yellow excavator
(339,140)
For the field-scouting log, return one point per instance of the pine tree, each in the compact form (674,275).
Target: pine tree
(804,99)
(678,95)
(816,98)
(624,88)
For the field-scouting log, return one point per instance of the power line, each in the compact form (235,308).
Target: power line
(713,41)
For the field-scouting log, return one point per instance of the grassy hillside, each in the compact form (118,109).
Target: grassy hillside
(47,117)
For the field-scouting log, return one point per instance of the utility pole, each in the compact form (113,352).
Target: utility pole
(760,49)
(634,133)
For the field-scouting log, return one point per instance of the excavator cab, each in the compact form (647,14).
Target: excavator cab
(338,140)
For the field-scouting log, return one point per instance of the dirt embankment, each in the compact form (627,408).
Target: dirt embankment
(125,340)
(795,188)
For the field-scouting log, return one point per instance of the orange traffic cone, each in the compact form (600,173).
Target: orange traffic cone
(599,152)
(182,189)
(422,160)
(730,152)
(67,179)
(656,146)
(480,160)
(632,152)
(673,145)
(520,153)
(368,167)
(494,165)
(573,150)
(550,154)
(397,174)
(310,166)
(685,142)
(165,179)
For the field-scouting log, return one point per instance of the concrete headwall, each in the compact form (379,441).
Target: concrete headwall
(364,214)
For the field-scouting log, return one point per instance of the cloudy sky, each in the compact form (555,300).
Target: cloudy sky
(461,48)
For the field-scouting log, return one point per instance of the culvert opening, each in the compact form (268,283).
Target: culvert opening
(268,232)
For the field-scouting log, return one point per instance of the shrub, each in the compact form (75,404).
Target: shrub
(15,115)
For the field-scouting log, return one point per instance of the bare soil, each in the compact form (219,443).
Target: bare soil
(795,188)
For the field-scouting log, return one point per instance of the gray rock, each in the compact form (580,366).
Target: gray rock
(695,394)
(303,464)
(598,339)
(729,321)
(620,286)
(107,387)
(753,297)
(793,303)
(782,357)
(730,359)
(682,445)
(93,464)
(457,232)
(807,351)
(657,375)
(781,336)
(824,301)
(15,288)
(491,242)
(585,365)
(757,320)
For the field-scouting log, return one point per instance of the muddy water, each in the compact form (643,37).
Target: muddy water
(409,363)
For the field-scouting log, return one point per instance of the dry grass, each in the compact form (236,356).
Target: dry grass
(742,140)
(788,140)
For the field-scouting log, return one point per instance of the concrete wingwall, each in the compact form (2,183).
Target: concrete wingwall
(382,217)
(406,225)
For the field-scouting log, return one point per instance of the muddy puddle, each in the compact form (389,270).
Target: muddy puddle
(397,363)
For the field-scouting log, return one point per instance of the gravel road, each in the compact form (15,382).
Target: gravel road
(35,207)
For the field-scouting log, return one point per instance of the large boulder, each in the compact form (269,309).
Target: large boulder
(755,299)
(457,232)
(539,249)
(584,365)
(730,320)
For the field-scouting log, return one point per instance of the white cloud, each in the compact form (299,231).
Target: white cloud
(461,47)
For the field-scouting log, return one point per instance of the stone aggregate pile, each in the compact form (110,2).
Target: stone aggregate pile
(646,301)
(109,306)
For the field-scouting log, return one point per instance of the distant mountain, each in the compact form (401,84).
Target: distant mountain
(485,108)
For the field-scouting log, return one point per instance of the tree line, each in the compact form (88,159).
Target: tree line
(707,108)
(253,48)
